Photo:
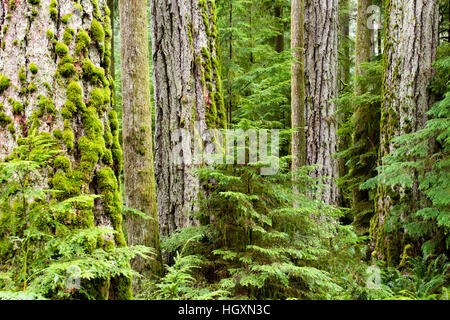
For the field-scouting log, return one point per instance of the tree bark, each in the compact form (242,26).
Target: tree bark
(321,67)
(410,49)
(57,55)
(298,85)
(139,177)
(188,89)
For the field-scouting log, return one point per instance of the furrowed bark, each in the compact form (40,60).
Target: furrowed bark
(409,50)
(188,89)
(321,68)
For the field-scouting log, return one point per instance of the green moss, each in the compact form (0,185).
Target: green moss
(108,158)
(32,87)
(22,75)
(108,186)
(34,1)
(66,113)
(62,163)
(90,154)
(5,83)
(53,10)
(69,188)
(68,138)
(82,41)
(109,245)
(4,120)
(95,75)
(33,68)
(74,95)
(46,106)
(66,67)
(98,34)
(66,18)
(15,41)
(61,49)
(99,98)
(50,34)
(47,86)
(57,134)
(93,127)
(68,35)
(17,107)
(96,10)
(11,128)
(106,180)
(5,28)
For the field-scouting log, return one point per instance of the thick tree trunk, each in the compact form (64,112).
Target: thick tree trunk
(139,178)
(57,57)
(410,49)
(188,89)
(298,85)
(321,67)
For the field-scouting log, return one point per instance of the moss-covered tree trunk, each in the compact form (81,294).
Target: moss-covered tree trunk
(410,48)
(188,89)
(56,55)
(321,68)
(298,84)
(139,177)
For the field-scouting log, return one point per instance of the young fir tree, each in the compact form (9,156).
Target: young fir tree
(139,178)
(409,50)
(54,65)
(188,90)
(321,67)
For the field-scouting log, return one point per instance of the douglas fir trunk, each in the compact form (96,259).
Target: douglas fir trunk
(410,49)
(321,68)
(188,89)
(56,56)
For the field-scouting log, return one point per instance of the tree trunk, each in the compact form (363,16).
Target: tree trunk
(139,177)
(57,57)
(279,39)
(410,49)
(344,24)
(298,85)
(188,89)
(321,66)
